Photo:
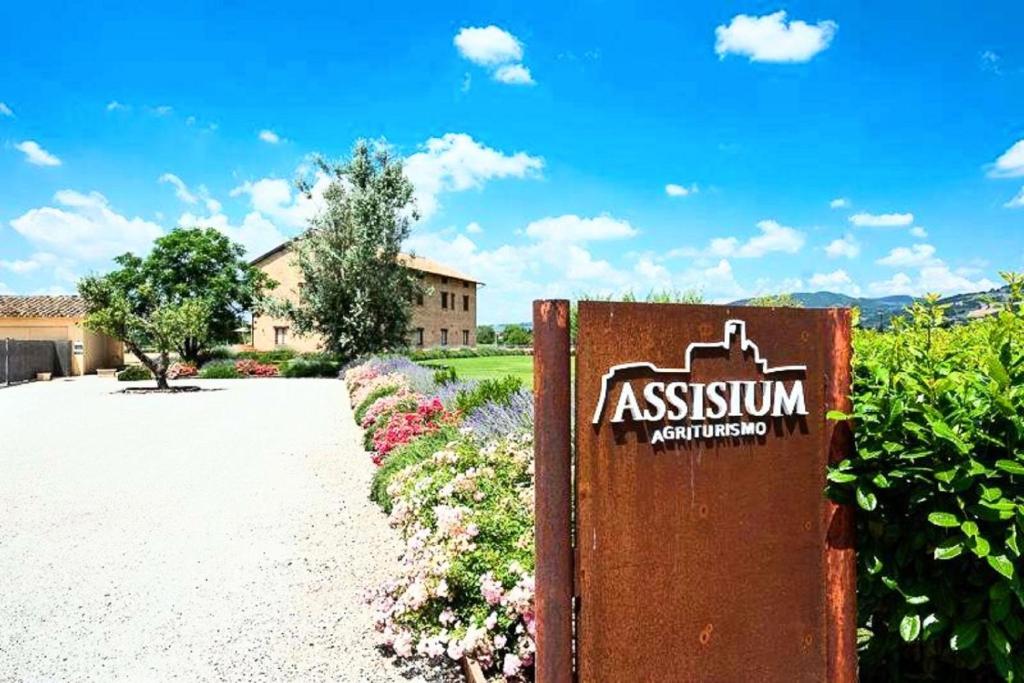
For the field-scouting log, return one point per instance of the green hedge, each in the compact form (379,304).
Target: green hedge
(939,480)
(442,353)
(220,369)
(134,373)
(310,367)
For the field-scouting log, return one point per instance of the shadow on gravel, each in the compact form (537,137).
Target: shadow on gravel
(172,390)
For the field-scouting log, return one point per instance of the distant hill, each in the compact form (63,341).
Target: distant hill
(879,312)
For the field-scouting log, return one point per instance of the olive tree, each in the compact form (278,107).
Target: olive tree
(356,294)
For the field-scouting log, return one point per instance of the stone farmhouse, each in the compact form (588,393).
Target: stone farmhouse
(444,315)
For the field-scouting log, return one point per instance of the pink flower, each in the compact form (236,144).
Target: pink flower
(511,665)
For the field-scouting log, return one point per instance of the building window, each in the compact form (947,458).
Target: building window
(419,336)
(465,285)
(444,299)
(444,337)
(280,336)
(465,302)
(419,299)
(444,281)
(465,337)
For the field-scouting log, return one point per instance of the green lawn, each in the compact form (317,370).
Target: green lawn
(490,367)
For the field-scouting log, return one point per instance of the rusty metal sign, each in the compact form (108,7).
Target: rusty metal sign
(705,549)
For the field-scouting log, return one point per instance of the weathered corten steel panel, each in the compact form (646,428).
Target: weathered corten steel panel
(708,559)
(553,502)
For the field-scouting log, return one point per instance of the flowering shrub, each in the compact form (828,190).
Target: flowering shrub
(392,379)
(384,406)
(404,427)
(461,495)
(359,375)
(466,586)
(253,368)
(179,370)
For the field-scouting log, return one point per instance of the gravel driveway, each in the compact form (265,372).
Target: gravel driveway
(221,535)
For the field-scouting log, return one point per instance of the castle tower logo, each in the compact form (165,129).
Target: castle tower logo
(726,408)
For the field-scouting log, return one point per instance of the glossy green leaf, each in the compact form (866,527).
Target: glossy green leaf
(1011,466)
(949,549)
(1001,564)
(866,499)
(965,635)
(910,627)
(943,519)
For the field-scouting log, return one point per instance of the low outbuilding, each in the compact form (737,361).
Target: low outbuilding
(59,318)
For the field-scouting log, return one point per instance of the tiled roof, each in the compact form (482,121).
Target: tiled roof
(428,266)
(69,306)
(415,262)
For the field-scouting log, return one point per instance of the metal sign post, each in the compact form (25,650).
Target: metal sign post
(704,546)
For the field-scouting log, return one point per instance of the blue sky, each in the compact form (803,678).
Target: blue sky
(723,147)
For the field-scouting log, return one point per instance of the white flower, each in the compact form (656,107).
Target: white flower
(455,649)
(511,665)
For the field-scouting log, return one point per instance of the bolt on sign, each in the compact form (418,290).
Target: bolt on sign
(704,548)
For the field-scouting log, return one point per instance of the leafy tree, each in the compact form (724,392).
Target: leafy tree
(203,263)
(516,335)
(127,305)
(356,293)
(485,334)
(776,301)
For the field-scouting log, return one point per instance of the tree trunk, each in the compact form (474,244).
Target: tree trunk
(159,370)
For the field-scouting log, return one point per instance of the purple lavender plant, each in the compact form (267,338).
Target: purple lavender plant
(447,393)
(493,420)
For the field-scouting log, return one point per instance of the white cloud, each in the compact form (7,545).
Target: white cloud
(86,227)
(34,154)
(839,203)
(114,105)
(915,256)
(845,246)
(935,278)
(181,190)
(269,136)
(836,281)
(770,38)
(900,283)
(1010,163)
(488,46)
(774,237)
(1017,201)
(919,232)
(5,110)
(881,220)
(474,228)
(162,110)
(257,234)
(456,162)
(990,61)
(495,49)
(572,228)
(33,263)
(276,198)
(674,190)
(514,74)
